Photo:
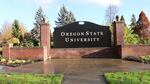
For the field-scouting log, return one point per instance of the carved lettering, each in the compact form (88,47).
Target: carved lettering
(62,33)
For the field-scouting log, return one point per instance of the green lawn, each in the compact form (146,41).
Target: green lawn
(16,78)
(128,77)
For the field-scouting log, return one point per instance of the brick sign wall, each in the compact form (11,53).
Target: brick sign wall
(81,35)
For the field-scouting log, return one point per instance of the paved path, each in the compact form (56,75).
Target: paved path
(80,71)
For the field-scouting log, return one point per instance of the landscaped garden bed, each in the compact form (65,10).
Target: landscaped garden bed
(128,77)
(16,78)
(15,63)
(142,59)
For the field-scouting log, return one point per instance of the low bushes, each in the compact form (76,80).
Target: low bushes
(16,78)
(13,63)
(128,77)
(143,59)
(1,50)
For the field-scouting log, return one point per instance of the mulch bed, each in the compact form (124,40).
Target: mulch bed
(136,59)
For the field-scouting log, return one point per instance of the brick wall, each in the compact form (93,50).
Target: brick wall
(83,52)
(39,53)
(135,50)
(116,52)
(36,53)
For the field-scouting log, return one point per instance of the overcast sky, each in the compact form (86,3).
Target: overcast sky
(84,10)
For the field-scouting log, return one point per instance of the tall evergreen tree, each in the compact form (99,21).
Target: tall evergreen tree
(133,21)
(117,17)
(64,17)
(16,32)
(122,19)
(35,32)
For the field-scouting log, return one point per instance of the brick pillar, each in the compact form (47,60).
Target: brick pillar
(7,51)
(45,40)
(118,27)
(45,53)
(45,35)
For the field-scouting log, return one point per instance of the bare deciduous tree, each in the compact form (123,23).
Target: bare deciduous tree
(110,14)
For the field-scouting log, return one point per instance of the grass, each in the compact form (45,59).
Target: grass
(16,78)
(128,77)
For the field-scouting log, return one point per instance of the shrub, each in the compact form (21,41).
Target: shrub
(14,41)
(133,39)
(145,41)
(28,43)
(13,63)
(1,49)
(130,38)
(145,59)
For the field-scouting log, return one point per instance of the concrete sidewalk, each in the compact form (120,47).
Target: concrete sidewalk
(80,71)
